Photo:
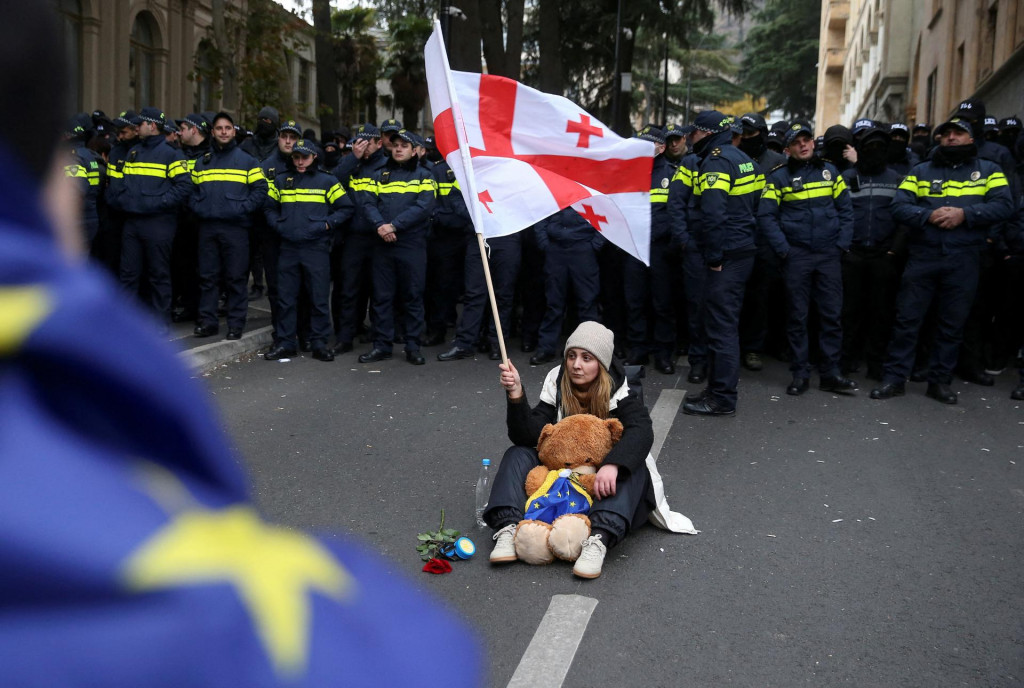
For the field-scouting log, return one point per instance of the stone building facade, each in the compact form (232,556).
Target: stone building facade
(133,53)
(915,60)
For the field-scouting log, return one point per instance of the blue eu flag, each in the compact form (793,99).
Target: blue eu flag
(559,494)
(130,553)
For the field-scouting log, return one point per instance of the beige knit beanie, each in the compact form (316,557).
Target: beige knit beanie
(595,338)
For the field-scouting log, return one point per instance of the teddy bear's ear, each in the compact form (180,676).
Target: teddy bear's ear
(614,429)
(547,431)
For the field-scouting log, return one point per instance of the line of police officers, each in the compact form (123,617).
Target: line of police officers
(770,227)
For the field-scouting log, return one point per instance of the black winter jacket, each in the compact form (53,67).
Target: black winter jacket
(806,204)
(152,180)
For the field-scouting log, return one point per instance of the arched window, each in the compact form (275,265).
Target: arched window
(145,41)
(71,30)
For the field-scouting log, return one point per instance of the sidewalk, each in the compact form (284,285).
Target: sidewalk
(206,353)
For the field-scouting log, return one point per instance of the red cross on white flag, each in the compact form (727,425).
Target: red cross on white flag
(521,155)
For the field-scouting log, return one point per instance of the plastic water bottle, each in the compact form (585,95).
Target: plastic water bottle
(483,491)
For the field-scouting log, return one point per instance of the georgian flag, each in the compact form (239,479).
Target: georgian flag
(521,155)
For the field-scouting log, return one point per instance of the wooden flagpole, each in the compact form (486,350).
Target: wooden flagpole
(467,164)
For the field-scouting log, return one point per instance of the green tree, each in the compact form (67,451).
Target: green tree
(404,66)
(357,62)
(780,55)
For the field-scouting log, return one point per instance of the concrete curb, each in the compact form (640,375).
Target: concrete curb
(209,356)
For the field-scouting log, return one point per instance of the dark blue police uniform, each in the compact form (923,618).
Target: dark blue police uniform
(229,190)
(307,207)
(149,187)
(807,219)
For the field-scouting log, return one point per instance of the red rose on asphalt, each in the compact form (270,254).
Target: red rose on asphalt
(436,565)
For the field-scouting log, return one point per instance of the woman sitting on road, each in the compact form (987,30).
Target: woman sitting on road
(588,381)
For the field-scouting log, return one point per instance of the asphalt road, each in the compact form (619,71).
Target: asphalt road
(844,541)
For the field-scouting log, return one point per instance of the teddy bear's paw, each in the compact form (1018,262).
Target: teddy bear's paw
(567,535)
(532,542)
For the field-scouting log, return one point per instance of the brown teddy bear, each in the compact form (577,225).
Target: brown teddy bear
(559,492)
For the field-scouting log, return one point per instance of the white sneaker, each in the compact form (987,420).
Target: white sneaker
(591,558)
(504,545)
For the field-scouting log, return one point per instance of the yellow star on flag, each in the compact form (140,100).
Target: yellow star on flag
(22,308)
(273,569)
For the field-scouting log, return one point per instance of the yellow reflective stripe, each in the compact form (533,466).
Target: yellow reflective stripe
(238,176)
(272,191)
(191,164)
(806,194)
(753,183)
(838,188)
(361,184)
(770,193)
(114,173)
(76,171)
(996,179)
(445,188)
(335,192)
(720,181)
(953,188)
(22,309)
(176,168)
(303,196)
(94,178)
(415,186)
(255,174)
(659,195)
(144,170)
(683,174)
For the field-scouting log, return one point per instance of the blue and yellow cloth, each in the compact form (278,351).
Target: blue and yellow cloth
(130,551)
(559,494)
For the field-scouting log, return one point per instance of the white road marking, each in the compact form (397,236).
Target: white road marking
(549,656)
(663,415)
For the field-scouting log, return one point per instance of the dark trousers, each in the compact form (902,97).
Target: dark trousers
(146,245)
(814,275)
(504,266)
(531,288)
(612,291)
(979,330)
(304,267)
(615,516)
(764,306)
(355,271)
(399,271)
(870,280)
(223,259)
(270,247)
(564,266)
(446,254)
(185,264)
(723,302)
(649,291)
(695,275)
(948,280)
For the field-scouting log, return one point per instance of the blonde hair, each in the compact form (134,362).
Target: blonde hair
(596,401)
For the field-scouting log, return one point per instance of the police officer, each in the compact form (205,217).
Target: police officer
(950,203)
(446,253)
(388,128)
(722,210)
(229,190)
(268,237)
(807,219)
(264,141)
(763,298)
(648,289)
(351,292)
(570,246)
(88,171)
(309,203)
(901,157)
(194,132)
(153,184)
(398,202)
(688,244)
(871,267)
